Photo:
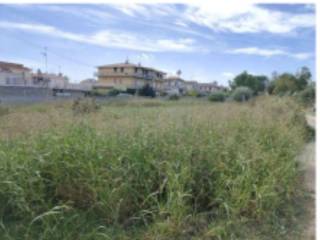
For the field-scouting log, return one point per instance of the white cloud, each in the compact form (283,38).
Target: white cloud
(106,38)
(237,18)
(246,18)
(302,56)
(142,57)
(269,52)
(146,10)
(88,13)
(228,75)
(258,51)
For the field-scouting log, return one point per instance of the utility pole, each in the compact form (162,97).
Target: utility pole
(45,55)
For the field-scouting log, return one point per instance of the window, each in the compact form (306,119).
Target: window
(121,69)
(115,69)
(135,70)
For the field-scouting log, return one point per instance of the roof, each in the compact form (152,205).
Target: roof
(174,78)
(208,84)
(132,65)
(191,82)
(8,65)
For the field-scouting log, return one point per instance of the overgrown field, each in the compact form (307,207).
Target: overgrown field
(151,169)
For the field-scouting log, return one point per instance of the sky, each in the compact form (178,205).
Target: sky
(207,44)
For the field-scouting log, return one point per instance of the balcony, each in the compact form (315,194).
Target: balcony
(124,74)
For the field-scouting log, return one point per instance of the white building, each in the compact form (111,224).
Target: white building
(50,80)
(174,85)
(88,83)
(14,74)
(209,87)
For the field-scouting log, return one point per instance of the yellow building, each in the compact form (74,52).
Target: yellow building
(128,76)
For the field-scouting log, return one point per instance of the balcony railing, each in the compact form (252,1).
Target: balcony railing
(137,75)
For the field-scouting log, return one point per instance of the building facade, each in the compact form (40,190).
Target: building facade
(88,84)
(50,80)
(128,76)
(174,85)
(15,74)
(208,87)
(191,86)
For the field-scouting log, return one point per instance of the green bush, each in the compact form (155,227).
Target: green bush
(307,96)
(147,91)
(192,93)
(200,95)
(174,97)
(271,86)
(96,92)
(131,91)
(218,96)
(163,94)
(285,84)
(113,92)
(241,94)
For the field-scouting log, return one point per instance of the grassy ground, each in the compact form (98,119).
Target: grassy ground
(308,164)
(151,169)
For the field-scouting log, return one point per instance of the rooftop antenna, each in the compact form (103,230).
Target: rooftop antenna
(127,60)
(45,55)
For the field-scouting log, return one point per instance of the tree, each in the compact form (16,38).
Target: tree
(147,91)
(256,83)
(286,83)
(303,77)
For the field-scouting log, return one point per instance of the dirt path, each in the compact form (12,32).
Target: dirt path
(307,158)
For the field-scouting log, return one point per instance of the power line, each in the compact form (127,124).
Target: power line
(68,58)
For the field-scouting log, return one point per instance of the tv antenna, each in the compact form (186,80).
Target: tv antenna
(45,55)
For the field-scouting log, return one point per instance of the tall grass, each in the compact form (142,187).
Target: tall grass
(173,171)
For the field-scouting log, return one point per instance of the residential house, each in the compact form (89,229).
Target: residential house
(128,76)
(88,83)
(174,85)
(50,80)
(191,85)
(14,74)
(208,87)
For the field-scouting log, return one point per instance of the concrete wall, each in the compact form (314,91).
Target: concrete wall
(17,94)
